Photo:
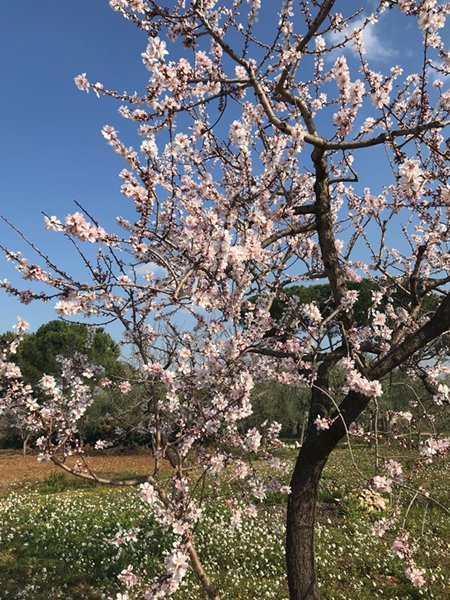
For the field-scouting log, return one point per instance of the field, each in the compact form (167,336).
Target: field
(15,468)
(55,535)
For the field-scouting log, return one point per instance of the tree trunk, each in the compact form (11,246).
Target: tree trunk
(24,446)
(301,511)
(318,446)
(301,517)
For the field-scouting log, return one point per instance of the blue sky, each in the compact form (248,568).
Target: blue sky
(51,149)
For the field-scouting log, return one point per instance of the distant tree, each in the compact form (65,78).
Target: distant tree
(37,355)
(38,352)
(290,303)
(285,404)
(323,296)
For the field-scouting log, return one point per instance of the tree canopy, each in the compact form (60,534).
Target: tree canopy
(38,352)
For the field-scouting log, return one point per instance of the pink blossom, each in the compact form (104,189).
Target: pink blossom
(341,74)
(311,311)
(238,134)
(216,463)
(356,430)
(148,493)
(273,431)
(43,458)
(48,383)
(400,548)
(155,52)
(82,83)
(434,447)
(443,394)
(322,423)
(21,326)
(252,440)
(379,319)
(411,178)
(78,226)
(149,148)
(137,5)
(9,370)
(394,469)
(415,575)
(202,61)
(350,299)
(177,564)
(236,518)
(124,387)
(360,384)
(399,417)
(128,577)
(381,484)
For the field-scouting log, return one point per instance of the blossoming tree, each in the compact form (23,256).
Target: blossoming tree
(246,182)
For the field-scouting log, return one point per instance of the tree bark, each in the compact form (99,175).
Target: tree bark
(301,518)
(301,511)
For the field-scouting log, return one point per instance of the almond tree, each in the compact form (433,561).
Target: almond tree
(246,182)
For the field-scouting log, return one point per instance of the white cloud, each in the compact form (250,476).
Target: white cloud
(150,267)
(376,47)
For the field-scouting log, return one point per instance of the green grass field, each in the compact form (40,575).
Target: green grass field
(55,539)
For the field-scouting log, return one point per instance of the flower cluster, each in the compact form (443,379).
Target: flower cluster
(401,548)
(322,423)
(411,179)
(358,383)
(77,225)
(434,447)
(351,96)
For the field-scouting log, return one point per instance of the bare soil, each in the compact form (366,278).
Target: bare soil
(16,468)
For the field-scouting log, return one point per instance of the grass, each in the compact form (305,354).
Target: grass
(54,539)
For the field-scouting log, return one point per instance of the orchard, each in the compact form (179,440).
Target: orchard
(258,132)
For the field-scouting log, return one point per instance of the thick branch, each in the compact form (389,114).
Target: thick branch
(384,137)
(325,230)
(210,590)
(354,403)
(436,326)
(92,477)
(291,230)
(305,209)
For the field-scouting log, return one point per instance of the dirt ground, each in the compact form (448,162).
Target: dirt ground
(16,468)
